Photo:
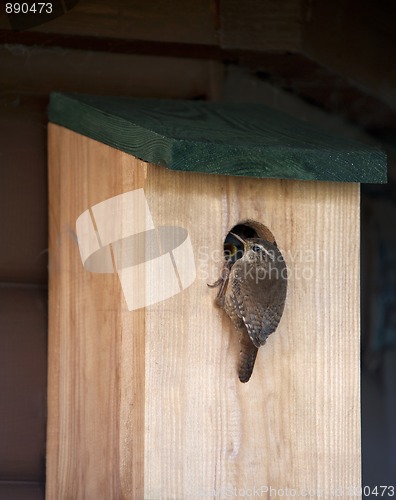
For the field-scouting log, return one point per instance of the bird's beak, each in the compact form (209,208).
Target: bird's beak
(239,238)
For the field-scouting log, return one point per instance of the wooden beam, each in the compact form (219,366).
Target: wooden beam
(40,70)
(358,47)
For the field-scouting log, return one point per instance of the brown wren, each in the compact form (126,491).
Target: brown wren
(252,293)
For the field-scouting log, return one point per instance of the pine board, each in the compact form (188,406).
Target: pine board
(147,403)
(218,138)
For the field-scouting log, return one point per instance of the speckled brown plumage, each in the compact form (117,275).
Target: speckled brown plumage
(253,295)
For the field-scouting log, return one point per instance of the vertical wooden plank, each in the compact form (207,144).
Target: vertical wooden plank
(147,403)
(96,346)
(296,424)
(53,414)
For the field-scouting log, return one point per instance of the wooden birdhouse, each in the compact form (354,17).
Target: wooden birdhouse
(144,398)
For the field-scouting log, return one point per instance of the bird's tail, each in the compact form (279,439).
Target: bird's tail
(247,357)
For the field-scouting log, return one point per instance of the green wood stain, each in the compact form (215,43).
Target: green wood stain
(218,138)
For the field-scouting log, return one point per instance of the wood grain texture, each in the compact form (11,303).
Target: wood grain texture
(222,138)
(96,416)
(147,404)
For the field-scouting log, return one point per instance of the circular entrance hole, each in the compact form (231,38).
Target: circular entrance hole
(233,248)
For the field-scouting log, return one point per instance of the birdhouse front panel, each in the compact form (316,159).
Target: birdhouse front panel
(145,400)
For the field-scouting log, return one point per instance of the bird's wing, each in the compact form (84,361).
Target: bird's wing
(259,303)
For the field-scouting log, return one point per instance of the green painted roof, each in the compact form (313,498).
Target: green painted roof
(218,138)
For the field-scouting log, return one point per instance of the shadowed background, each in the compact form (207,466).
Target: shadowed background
(331,64)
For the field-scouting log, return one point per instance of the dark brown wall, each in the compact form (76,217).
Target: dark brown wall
(23,297)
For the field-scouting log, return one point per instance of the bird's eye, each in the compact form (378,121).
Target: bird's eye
(256,248)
